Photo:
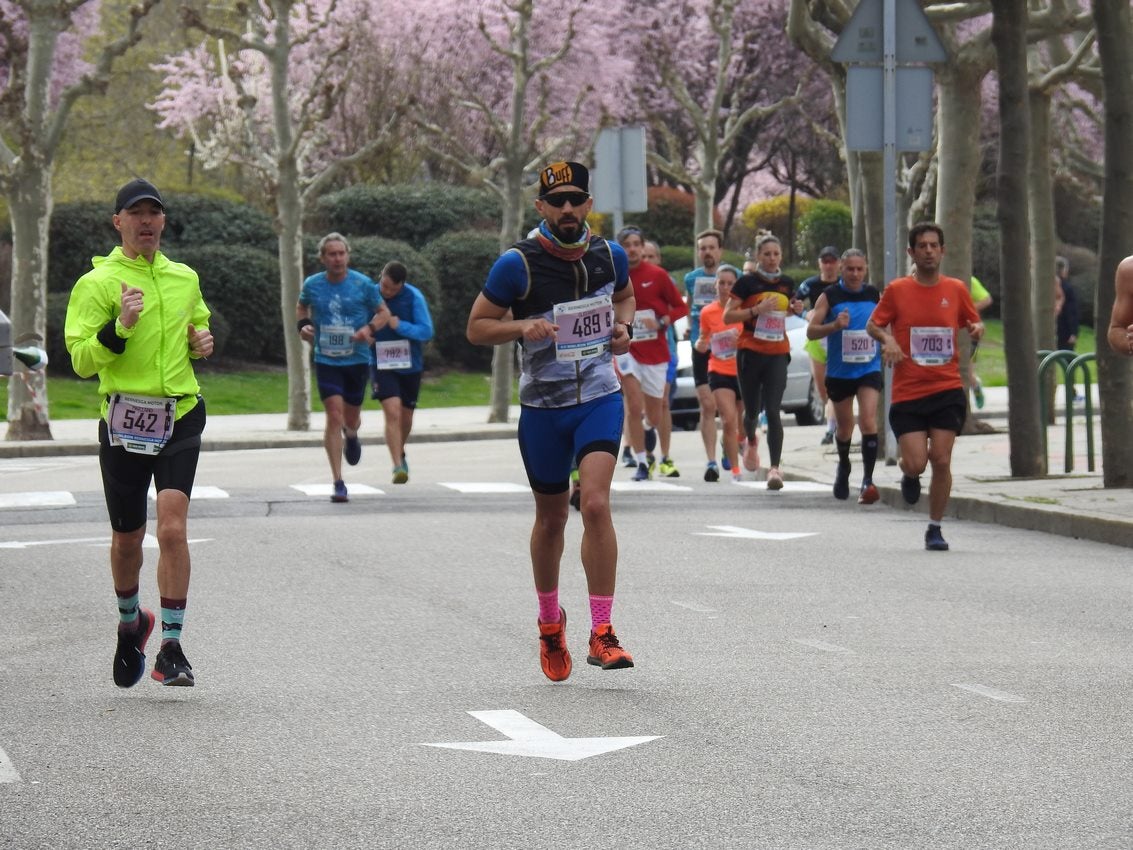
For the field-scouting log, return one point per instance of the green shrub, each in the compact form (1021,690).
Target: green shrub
(243,286)
(985,254)
(415,213)
(670,219)
(824,223)
(208,220)
(78,232)
(369,254)
(465,258)
(58,360)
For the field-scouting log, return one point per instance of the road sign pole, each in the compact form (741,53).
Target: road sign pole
(889,131)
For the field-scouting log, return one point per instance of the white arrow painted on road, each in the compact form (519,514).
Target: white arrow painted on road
(752,534)
(150,542)
(8,772)
(528,738)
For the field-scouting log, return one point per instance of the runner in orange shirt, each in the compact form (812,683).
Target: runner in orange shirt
(718,341)
(916,323)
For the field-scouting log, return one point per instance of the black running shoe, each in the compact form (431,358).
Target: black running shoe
(172,668)
(934,541)
(352,449)
(842,481)
(910,488)
(130,656)
(628,458)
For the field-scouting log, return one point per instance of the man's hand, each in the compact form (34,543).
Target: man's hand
(200,342)
(131,305)
(535,330)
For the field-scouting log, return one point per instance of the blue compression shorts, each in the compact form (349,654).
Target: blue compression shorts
(552,438)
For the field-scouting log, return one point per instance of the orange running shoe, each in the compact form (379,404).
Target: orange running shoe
(553,654)
(869,494)
(605,651)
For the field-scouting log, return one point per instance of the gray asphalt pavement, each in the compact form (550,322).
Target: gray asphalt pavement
(1073,504)
(807,675)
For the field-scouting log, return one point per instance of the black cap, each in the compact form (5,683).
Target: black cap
(829,251)
(134,191)
(564,174)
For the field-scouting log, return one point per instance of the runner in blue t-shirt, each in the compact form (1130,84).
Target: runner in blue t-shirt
(339,311)
(853,368)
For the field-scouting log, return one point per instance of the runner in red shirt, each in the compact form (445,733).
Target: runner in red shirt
(644,370)
(916,323)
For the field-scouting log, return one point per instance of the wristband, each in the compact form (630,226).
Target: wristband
(629,328)
(303,323)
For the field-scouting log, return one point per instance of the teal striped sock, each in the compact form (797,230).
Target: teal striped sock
(127,605)
(172,618)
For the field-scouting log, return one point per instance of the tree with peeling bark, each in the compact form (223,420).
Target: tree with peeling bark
(1008,35)
(516,88)
(1114,22)
(268,100)
(43,75)
(718,67)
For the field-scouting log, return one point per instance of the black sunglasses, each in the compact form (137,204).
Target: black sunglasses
(561,199)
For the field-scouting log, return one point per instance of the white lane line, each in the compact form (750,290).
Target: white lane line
(328,489)
(648,487)
(8,772)
(823,645)
(789,487)
(990,693)
(485,487)
(692,606)
(42,499)
(751,533)
(199,492)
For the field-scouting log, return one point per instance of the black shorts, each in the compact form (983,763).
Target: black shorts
(126,475)
(348,381)
(386,383)
(840,389)
(716,381)
(699,367)
(940,411)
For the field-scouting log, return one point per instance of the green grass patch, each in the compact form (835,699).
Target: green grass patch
(256,391)
(991,362)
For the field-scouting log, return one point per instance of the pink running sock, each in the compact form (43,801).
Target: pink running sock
(600,609)
(548,606)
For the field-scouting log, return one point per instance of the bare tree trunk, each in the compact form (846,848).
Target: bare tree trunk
(1008,33)
(30,204)
(1114,23)
(958,115)
(290,217)
(1040,204)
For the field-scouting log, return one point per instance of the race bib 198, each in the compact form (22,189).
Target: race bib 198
(584,327)
(336,340)
(140,424)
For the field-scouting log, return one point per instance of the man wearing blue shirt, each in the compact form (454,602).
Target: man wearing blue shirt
(399,361)
(339,311)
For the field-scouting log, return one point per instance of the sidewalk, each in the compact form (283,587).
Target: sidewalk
(1073,505)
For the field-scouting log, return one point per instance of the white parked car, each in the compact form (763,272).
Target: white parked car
(800,398)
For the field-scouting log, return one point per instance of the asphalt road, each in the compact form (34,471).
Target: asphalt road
(807,675)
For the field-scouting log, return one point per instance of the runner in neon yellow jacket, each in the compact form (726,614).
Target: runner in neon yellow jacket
(137,320)
(152,358)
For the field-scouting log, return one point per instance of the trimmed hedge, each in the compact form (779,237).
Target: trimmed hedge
(416,213)
(466,258)
(243,287)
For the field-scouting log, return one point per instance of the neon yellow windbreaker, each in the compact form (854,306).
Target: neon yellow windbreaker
(156,359)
